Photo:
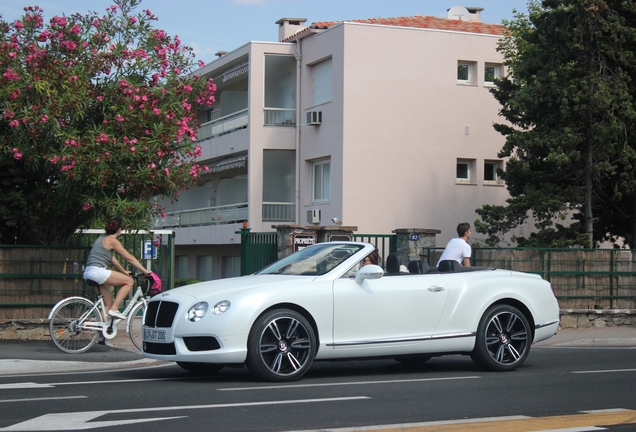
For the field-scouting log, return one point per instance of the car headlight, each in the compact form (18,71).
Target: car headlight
(197,311)
(221,307)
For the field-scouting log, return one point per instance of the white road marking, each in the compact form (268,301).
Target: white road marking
(351,383)
(43,399)
(24,385)
(82,420)
(604,371)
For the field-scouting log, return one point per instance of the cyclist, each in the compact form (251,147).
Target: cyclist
(100,256)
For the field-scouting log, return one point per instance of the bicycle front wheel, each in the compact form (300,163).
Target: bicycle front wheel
(134,325)
(67,325)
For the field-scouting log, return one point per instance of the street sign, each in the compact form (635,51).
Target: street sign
(149,248)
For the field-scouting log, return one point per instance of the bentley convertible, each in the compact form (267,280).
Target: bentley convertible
(322,303)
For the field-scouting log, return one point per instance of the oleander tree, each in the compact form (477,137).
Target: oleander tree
(568,99)
(98,115)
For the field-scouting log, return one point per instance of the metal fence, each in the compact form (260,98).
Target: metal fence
(34,278)
(581,278)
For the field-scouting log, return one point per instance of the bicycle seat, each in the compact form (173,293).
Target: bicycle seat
(91,282)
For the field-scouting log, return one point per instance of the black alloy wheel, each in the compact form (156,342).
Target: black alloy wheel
(281,346)
(503,339)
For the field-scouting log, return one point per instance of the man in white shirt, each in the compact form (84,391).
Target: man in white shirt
(458,248)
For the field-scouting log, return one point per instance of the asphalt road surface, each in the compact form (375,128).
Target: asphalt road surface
(582,384)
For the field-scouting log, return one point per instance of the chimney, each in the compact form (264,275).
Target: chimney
(475,13)
(289,26)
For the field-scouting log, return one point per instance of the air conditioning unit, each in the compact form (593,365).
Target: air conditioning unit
(314,117)
(313,216)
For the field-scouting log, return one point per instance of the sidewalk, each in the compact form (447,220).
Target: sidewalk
(619,336)
(20,357)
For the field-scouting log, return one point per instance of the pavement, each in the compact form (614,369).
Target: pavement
(29,357)
(22,357)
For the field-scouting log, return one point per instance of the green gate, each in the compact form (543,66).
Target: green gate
(261,249)
(257,250)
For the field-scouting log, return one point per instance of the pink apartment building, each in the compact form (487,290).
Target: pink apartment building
(381,123)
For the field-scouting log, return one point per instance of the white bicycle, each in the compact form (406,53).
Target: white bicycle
(75,323)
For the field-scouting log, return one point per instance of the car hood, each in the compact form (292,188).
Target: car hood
(233,286)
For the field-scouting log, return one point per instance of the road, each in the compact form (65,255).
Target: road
(561,385)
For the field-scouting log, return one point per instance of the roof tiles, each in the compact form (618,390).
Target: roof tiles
(419,21)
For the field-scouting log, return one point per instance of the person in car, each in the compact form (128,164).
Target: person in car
(458,248)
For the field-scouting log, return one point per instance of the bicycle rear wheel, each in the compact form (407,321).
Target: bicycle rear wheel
(134,325)
(67,332)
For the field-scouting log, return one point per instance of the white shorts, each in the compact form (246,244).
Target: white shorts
(98,274)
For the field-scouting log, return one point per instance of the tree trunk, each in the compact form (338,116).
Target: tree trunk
(588,222)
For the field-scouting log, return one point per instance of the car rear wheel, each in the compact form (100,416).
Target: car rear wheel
(503,339)
(281,346)
(200,368)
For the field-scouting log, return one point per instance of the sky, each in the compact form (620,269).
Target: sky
(210,26)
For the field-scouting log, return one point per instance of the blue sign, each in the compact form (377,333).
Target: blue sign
(150,250)
(414,237)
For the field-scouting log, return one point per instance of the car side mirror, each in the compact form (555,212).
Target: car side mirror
(370,271)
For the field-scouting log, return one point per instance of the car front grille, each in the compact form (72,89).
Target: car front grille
(160,314)
(201,343)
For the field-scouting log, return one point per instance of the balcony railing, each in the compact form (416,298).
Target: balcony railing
(279,212)
(227,214)
(223,125)
(205,216)
(279,117)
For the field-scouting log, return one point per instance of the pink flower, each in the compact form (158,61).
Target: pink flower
(100,98)
(157,110)
(14,123)
(17,156)
(86,207)
(133,150)
(163,214)
(119,118)
(167,171)
(10,75)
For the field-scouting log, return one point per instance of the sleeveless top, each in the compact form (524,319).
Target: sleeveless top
(99,256)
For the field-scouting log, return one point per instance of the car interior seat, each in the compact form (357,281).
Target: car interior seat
(448,266)
(418,267)
(393,263)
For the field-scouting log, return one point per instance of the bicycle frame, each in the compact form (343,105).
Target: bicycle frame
(107,328)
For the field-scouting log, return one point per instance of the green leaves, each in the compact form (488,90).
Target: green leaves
(568,101)
(98,115)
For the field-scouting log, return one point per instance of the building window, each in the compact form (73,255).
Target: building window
(280,90)
(465,72)
(490,171)
(204,267)
(321,181)
(491,72)
(465,171)
(181,262)
(321,82)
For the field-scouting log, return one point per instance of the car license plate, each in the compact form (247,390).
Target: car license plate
(152,335)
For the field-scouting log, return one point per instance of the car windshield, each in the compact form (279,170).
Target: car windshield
(314,260)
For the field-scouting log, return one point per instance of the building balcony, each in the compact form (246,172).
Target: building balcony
(226,214)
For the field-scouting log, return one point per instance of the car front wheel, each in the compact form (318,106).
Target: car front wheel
(503,339)
(281,346)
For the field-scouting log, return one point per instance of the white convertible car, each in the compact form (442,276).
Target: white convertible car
(320,303)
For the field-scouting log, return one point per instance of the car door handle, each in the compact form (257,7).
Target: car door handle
(435,288)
